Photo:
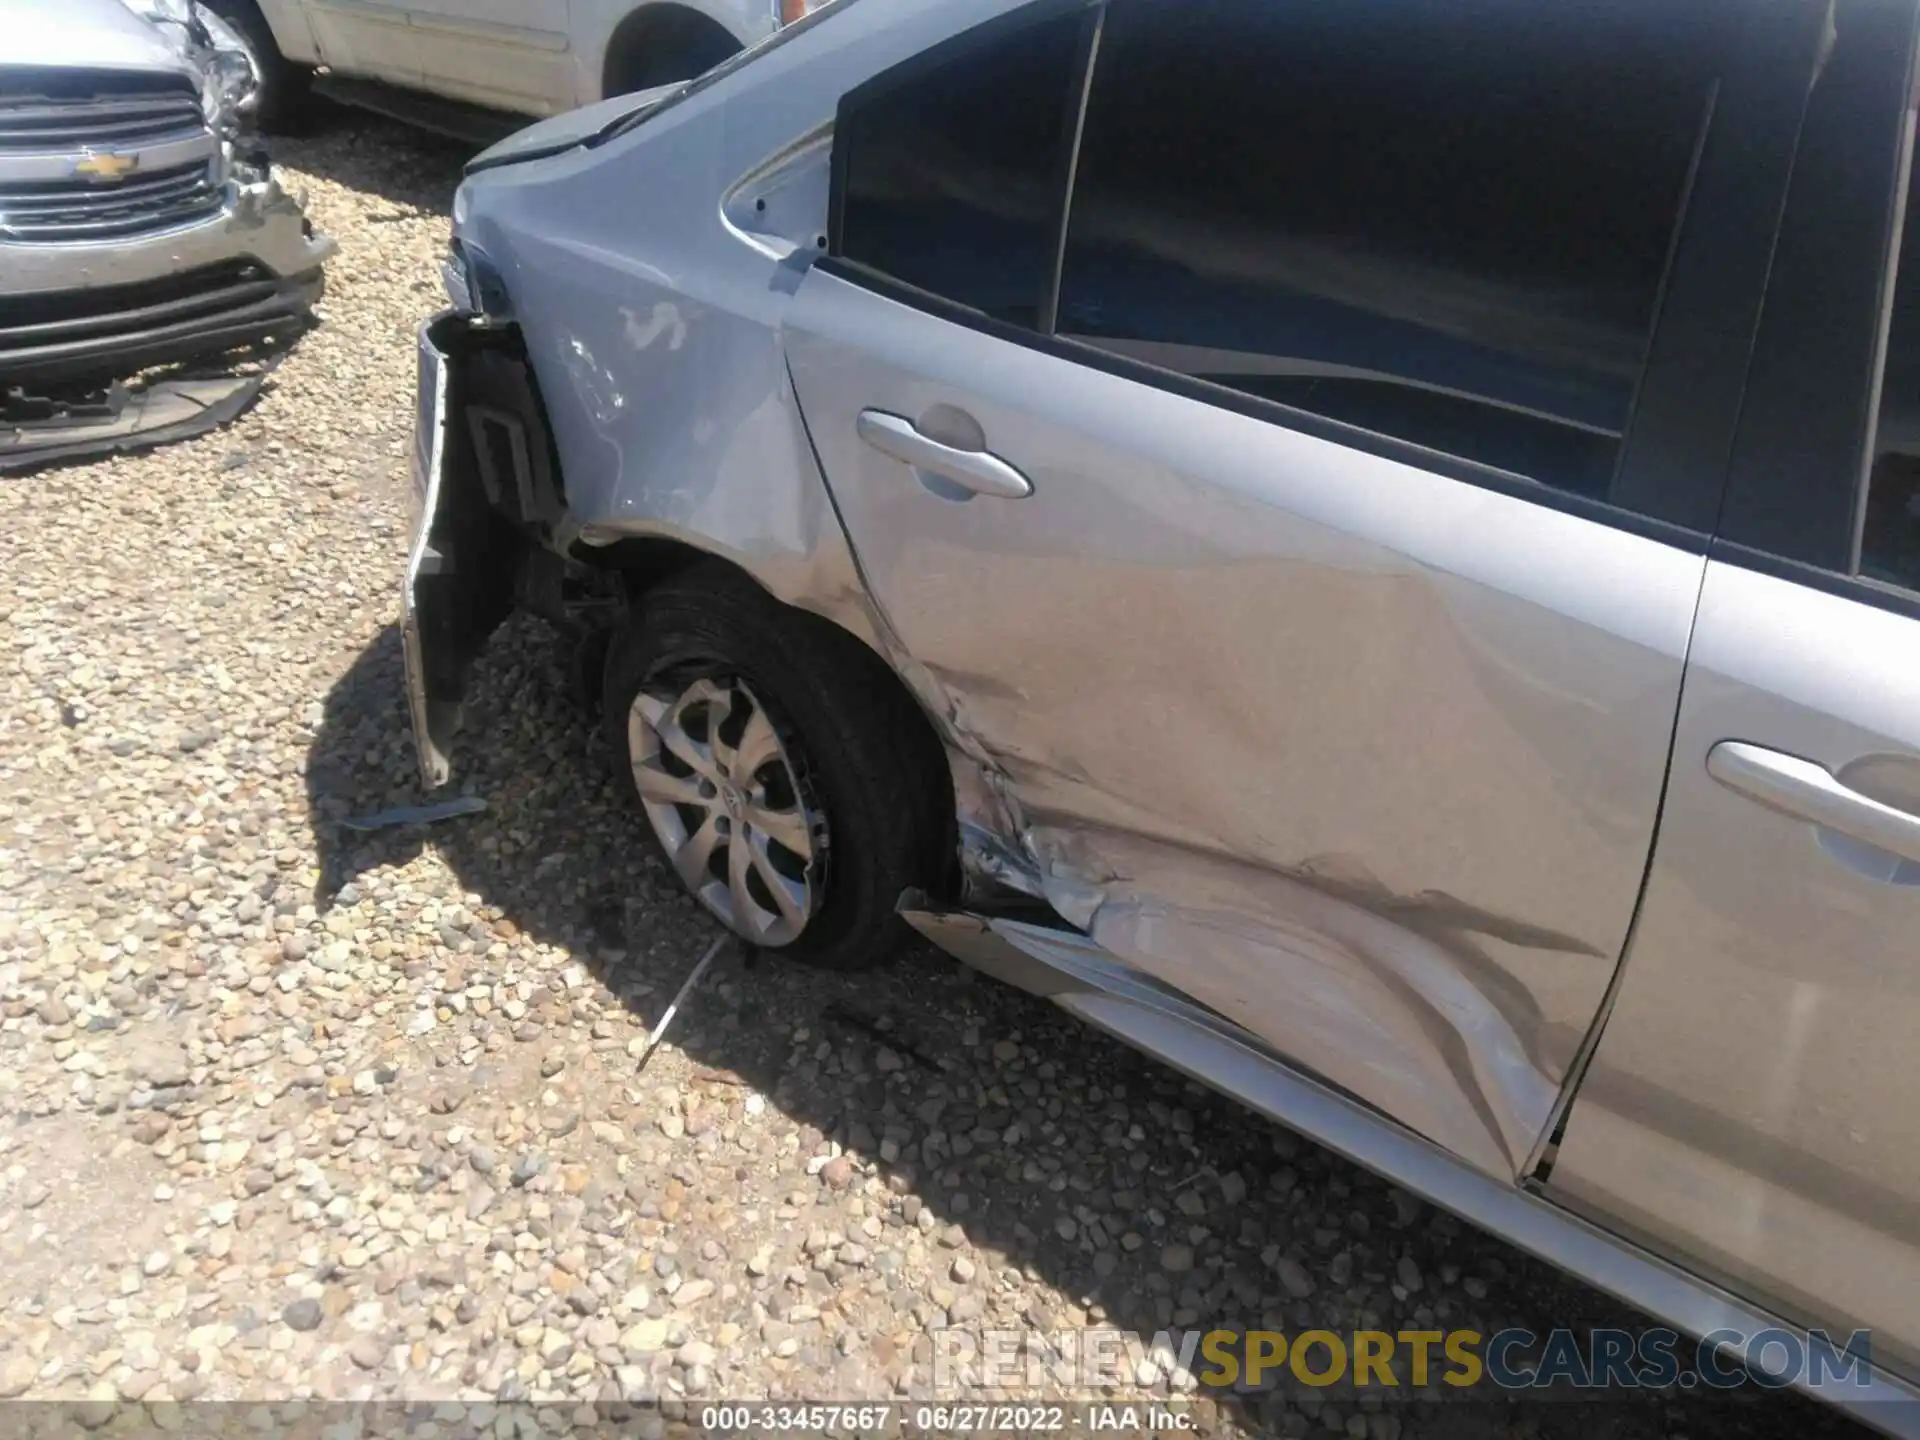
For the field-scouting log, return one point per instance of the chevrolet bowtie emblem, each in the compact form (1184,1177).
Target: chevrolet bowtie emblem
(107,168)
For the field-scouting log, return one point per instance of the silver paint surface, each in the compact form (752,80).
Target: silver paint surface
(1348,770)
(96,34)
(1750,1101)
(1127,1005)
(650,293)
(1363,757)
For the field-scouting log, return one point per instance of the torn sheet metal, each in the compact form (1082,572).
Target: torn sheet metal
(36,431)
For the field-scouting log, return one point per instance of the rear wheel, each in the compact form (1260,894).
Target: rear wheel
(784,776)
(661,43)
(285,88)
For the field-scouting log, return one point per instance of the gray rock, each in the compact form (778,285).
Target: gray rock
(1407,1271)
(17,1374)
(1294,1277)
(93,1412)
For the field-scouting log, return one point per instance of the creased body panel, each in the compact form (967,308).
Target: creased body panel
(1362,757)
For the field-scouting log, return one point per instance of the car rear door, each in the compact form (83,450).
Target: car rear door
(506,54)
(1303,525)
(368,38)
(1750,1105)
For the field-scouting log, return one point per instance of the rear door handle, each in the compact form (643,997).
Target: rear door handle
(980,471)
(1808,791)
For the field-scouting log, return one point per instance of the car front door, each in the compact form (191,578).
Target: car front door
(1750,1105)
(1302,527)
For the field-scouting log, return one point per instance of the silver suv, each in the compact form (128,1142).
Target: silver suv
(1372,551)
(136,227)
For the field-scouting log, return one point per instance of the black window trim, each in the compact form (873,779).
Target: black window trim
(1795,503)
(1863,588)
(1742,186)
(1883,329)
(1079,91)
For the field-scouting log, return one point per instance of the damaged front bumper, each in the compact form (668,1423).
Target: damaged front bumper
(75,309)
(79,318)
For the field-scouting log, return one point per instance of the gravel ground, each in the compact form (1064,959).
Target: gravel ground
(286,1112)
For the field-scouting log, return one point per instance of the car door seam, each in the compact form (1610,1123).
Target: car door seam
(1539,1164)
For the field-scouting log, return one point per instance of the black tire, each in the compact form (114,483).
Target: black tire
(658,44)
(286,89)
(868,756)
(688,63)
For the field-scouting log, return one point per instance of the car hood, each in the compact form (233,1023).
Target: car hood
(576,127)
(87,34)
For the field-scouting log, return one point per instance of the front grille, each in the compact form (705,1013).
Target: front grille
(85,210)
(53,112)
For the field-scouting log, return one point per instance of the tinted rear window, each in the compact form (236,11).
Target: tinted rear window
(1441,220)
(953,167)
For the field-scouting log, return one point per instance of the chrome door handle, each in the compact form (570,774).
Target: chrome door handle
(1808,791)
(980,471)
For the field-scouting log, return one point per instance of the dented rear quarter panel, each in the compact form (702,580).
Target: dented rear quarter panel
(662,338)
(653,325)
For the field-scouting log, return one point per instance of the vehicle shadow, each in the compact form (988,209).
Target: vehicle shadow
(1146,1202)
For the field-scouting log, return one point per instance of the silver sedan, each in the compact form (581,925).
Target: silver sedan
(1373,552)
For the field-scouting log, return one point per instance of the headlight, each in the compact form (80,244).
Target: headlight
(231,68)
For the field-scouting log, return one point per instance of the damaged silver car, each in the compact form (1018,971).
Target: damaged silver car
(137,229)
(1371,551)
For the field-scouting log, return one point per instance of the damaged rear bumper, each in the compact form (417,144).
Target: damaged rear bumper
(434,715)
(460,551)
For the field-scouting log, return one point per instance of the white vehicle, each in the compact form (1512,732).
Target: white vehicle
(455,64)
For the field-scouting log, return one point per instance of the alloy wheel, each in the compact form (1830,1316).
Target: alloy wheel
(728,804)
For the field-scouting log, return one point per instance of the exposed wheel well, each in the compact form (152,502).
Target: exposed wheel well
(660,43)
(643,563)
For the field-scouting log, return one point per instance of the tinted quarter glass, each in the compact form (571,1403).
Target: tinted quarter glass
(1890,530)
(1440,221)
(953,166)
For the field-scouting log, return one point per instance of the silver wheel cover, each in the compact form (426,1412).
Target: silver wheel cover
(725,800)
